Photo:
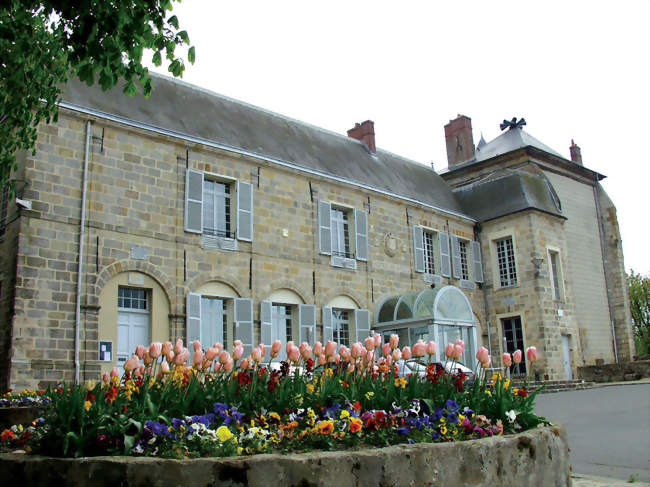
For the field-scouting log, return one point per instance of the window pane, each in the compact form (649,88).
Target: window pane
(429,253)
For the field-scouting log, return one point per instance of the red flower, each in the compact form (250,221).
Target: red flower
(380,415)
(7,435)
(522,392)
(357,406)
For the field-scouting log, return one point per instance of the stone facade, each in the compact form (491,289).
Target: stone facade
(136,237)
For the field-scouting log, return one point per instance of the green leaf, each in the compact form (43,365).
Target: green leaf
(191,55)
(129,442)
(130,89)
(173,21)
(157,58)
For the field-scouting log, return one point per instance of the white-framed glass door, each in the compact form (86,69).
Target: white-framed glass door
(133,312)
(281,320)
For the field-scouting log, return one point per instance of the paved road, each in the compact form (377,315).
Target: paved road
(608,428)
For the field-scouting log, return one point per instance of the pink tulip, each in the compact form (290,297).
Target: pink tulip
(170,356)
(228,365)
(397,355)
(350,368)
(337,358)
(394,341)
(115,372)
(344,351)
(507,360)
(306,352)
(155,349)
(106,378)
(406,353)
(137,372)
(370,355)
(225,356)
(217,366)
(377,338)
(262,348)
(289,346)
(318,349)
(166,348)
(147,358)
(482,354)
(357,350)
(219,347)
(183,357)
(238,343)
(211,353)
(461,344)
(237,352)
(458,351)
(197,358)
(370,343)
(419,349)
(245,364)
(139,351)
(330,348)
(164,368)
(178,347)
(275,348)
(487,362)
(431,348)
(132,363)
(449,350)
(389,360)
(256,355)
(516,356)
(197,345)
(531,354)
(294,354)
(322,359)
(385,349)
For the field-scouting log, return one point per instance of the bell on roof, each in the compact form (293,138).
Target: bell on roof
(481,142)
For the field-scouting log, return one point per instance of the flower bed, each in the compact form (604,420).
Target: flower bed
(325,398)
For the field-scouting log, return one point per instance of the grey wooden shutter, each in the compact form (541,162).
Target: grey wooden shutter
(194,201)
(266,326)
(192,318)
(418,248)
(477,260)
(443,248)
(325,227)
(244,323)
(327,324)
(307,323)
(362,324)
(244,211)
(455,256)
(361,234)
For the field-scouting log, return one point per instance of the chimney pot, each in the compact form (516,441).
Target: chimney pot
(459,139)
(365,132)
(576,156)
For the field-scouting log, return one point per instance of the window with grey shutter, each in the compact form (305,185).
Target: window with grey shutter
(324,227)
(477,261)
(362,324)
(418,248)
(193,201)
(244,323)
(443,248)
(212,321)
(244,211)
(455,256)
(361,234)
(192,318)
(307,323)
(327,324)
(266,326)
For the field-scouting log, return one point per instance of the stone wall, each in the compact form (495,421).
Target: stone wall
(539,457)
(136,192)
(615,372)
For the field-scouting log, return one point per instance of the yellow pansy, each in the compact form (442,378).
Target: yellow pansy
(223,433)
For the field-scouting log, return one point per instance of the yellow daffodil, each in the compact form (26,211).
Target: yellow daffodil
(87,405)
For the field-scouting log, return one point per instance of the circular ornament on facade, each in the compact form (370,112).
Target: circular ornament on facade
(391,244)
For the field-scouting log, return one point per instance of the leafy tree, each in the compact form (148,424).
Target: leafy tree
(639,290)
(44,43)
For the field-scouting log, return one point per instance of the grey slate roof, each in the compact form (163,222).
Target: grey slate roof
(506,192)
(189,110)
(511,140)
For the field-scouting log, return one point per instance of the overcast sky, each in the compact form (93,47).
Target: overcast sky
(575,70)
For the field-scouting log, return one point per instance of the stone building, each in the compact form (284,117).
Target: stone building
(201,217)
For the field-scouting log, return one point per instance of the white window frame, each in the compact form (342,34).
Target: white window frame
(147,311)
(292,317)
(347,260)
(557,292)
(494,238)
(465,271)
(337,321)
(229,213)
(227,328)
(431,251)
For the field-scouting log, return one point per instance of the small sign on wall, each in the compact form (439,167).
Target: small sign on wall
(139,253)
(106,351)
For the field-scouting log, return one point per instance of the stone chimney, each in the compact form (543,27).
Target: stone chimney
(365,132)
(460,142)
(575,153)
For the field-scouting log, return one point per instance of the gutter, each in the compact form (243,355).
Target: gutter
(216,145)
(477,236)
(77,323)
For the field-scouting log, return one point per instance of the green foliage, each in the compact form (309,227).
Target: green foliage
(639,291)
(44,43)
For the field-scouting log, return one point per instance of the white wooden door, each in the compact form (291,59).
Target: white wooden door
(566,353)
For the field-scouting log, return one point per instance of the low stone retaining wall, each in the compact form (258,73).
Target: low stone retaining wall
(538,457)
(615,372)
(19,415)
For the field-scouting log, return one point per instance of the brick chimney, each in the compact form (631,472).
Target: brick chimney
(575,153)
(365,132)
(460,142)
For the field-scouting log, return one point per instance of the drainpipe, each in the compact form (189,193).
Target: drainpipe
(77,324)
(477,236)
(601,234)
